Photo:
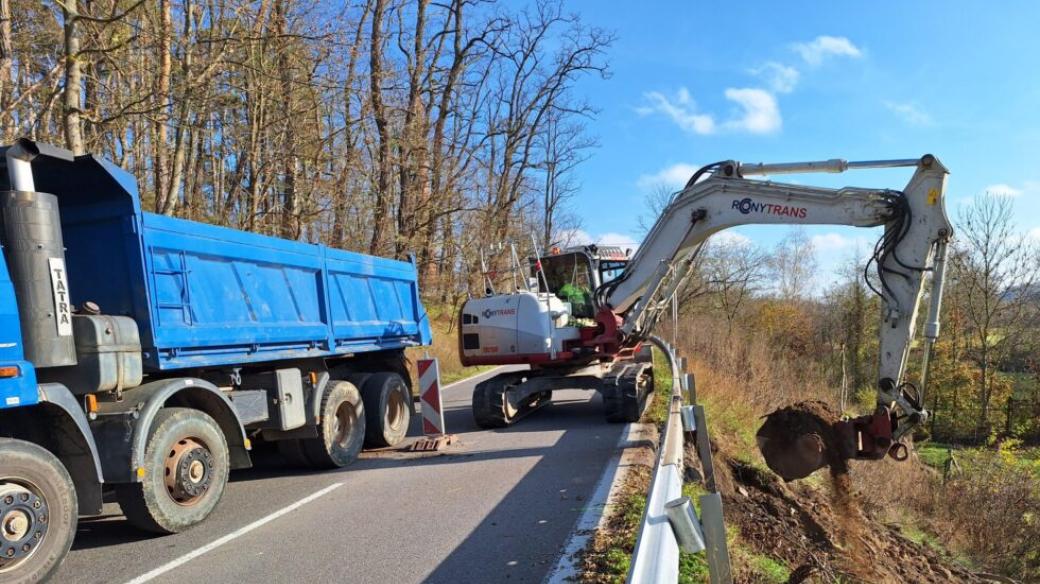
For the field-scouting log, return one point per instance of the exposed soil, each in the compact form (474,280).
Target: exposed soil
(823,534)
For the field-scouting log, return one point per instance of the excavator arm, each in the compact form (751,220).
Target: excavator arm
(914,244)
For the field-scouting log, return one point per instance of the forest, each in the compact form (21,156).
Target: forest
(378,126)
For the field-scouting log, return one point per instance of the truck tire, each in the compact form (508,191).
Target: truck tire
(388,409)
(341,431)
(37,496)
(185,472)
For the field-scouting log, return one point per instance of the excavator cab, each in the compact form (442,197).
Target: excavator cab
(573,275)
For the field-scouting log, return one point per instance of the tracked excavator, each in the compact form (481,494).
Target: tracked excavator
(583,318)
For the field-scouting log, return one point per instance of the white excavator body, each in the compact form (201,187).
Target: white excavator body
(519,327)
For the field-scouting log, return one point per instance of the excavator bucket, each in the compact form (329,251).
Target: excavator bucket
(800,439)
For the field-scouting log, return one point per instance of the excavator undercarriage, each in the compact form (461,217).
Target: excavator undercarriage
(625,385)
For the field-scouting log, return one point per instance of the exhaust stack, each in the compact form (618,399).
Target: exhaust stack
(35,254)
(19,164)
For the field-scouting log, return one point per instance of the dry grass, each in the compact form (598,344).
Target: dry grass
(990,510)
(445,347)
(741,377)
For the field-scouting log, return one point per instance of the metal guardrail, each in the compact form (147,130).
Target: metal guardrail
(670,523)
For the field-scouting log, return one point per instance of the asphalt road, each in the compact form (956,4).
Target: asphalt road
(497,506)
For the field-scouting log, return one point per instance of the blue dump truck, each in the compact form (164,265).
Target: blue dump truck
(141,356)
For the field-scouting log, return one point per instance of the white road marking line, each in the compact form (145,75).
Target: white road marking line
(567,565)
(233,535)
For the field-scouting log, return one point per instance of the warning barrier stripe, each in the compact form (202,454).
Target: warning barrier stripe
(430,396)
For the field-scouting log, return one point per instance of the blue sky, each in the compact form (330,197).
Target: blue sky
(765,81)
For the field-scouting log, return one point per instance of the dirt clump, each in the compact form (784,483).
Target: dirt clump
(800,439)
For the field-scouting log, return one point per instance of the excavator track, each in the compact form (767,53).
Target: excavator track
(626,391)
(492,407)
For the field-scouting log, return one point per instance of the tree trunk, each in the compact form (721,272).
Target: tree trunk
(7,126)
(73,80)
(381,211)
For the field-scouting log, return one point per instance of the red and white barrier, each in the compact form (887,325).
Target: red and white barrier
(430,397)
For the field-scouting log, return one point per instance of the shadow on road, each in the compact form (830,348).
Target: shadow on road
(458,419)
(107,530)
(519,539)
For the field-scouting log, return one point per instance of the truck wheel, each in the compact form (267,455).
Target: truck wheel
(186,470)
(388,409)
(38,512)
(342,429)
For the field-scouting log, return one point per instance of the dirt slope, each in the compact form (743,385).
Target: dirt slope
(821,534)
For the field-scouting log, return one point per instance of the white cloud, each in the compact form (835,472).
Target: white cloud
(761,114)
(582,237)
(619,239)
(822,47)
(730,238)
(831,242)
(1002,189)
(909,112)
(673,177)
(780,78)
(1034,234)
(682,110)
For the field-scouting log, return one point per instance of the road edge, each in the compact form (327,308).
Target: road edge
(634,437)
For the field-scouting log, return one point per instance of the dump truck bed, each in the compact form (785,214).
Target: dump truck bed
(210,296)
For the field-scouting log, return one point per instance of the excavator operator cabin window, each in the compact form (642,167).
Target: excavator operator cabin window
(569,278)
(609,270)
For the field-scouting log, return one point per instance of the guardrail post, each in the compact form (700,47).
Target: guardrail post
(704,449)
(715,539)
(691,389)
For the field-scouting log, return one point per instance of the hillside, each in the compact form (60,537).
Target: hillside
(888,522)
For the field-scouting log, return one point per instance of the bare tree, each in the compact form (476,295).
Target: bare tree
(734,270)
(656,201)
(793,265)
(565,146)
(995,272)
